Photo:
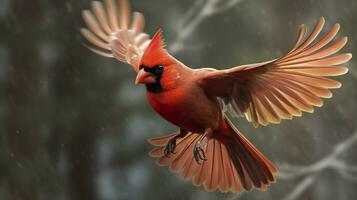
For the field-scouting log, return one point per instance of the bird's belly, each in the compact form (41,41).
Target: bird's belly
(192,113)
(180,117)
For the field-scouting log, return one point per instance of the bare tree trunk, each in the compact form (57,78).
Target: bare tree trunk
(21,129)
(82,171)
(75,115)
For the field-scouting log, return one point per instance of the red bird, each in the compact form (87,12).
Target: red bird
(208,148)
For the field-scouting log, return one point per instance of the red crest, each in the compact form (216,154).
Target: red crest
(156,53)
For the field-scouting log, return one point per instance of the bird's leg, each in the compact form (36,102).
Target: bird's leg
(198,152)
(171,144)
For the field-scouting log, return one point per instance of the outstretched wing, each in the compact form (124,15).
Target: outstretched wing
(280,89)
(113,34)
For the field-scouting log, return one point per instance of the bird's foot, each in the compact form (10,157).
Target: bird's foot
(171,144)
(170,147)
(198,153)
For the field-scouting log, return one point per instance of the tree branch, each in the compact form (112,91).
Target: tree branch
(195,16)
(332,161)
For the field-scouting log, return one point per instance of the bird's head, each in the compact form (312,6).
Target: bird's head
(155,64)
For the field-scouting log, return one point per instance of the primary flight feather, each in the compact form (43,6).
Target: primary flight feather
(208,148)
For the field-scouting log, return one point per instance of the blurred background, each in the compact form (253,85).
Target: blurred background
(74,126)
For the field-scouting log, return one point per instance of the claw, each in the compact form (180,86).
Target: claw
(173,146)
(202,154)
(199,154)
(196,157)
(166,152)
(170,147)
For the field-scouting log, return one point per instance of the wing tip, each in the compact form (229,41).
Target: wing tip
(337,25)
(152,141)
(153,153)
(346,57)
(86,13)
(349,55)
(322,19)
(83,30)
(96,3)
(345,70)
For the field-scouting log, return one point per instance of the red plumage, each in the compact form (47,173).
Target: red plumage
(208,148)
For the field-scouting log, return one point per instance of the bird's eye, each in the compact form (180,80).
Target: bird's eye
(159,69)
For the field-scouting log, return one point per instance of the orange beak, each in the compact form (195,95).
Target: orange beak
(144,77)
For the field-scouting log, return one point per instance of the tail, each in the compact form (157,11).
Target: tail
(233,163)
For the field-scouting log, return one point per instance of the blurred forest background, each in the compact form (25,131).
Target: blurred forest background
(74,126)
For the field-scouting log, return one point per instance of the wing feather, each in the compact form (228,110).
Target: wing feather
(301,33)
(280,89)
(138,22)
(101,52)
(109,30)
(315,32)
(112,14)
(99,12)
(93,25)
(124,14)
(94,39)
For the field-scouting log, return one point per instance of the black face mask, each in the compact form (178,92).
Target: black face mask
(156,71)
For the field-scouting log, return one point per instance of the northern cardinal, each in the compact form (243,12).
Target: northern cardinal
(208,148)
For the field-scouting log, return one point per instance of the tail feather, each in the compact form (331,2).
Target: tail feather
(233,163)
(161,141)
